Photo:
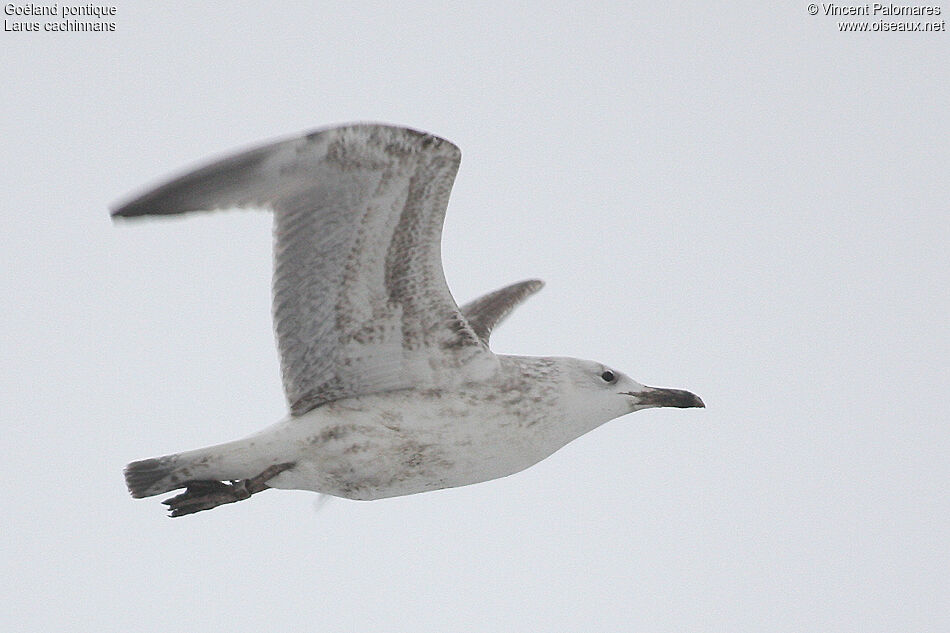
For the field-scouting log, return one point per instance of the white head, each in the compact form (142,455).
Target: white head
(596,393)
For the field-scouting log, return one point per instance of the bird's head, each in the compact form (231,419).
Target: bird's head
(608,393)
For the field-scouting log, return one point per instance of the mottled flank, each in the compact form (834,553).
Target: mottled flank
(329,434)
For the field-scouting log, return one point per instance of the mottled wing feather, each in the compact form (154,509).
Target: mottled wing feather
(484,313)
(360,300)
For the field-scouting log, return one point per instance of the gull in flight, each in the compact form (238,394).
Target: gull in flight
(392,387)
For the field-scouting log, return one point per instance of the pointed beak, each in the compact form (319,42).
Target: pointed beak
(659,397)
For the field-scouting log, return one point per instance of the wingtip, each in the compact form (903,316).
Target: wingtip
(531,286)
(131,207)
(119,212)
(124,214)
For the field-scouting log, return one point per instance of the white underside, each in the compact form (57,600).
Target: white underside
(392,444)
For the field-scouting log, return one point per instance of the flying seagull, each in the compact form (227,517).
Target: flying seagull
(392,387)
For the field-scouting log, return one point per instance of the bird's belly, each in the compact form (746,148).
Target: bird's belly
(371,449)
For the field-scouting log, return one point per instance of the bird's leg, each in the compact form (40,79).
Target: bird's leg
(204,495)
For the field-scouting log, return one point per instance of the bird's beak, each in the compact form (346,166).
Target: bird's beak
(659,397)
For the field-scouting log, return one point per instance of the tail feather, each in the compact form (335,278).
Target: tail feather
(148,477)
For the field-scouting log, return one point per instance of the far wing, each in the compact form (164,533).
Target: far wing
(360,300)
(484,313)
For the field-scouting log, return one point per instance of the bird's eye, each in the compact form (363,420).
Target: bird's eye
(609,376)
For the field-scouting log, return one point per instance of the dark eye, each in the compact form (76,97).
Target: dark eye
(609,376)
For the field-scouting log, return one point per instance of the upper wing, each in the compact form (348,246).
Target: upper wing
(360,300)
(484,313)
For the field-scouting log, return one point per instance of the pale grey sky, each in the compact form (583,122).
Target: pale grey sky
(734,199)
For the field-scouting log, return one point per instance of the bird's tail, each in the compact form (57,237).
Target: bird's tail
(222,462)
(154,476)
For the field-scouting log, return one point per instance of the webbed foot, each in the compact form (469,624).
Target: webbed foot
(204,495)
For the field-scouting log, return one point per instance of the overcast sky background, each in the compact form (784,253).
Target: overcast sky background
(738,200)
